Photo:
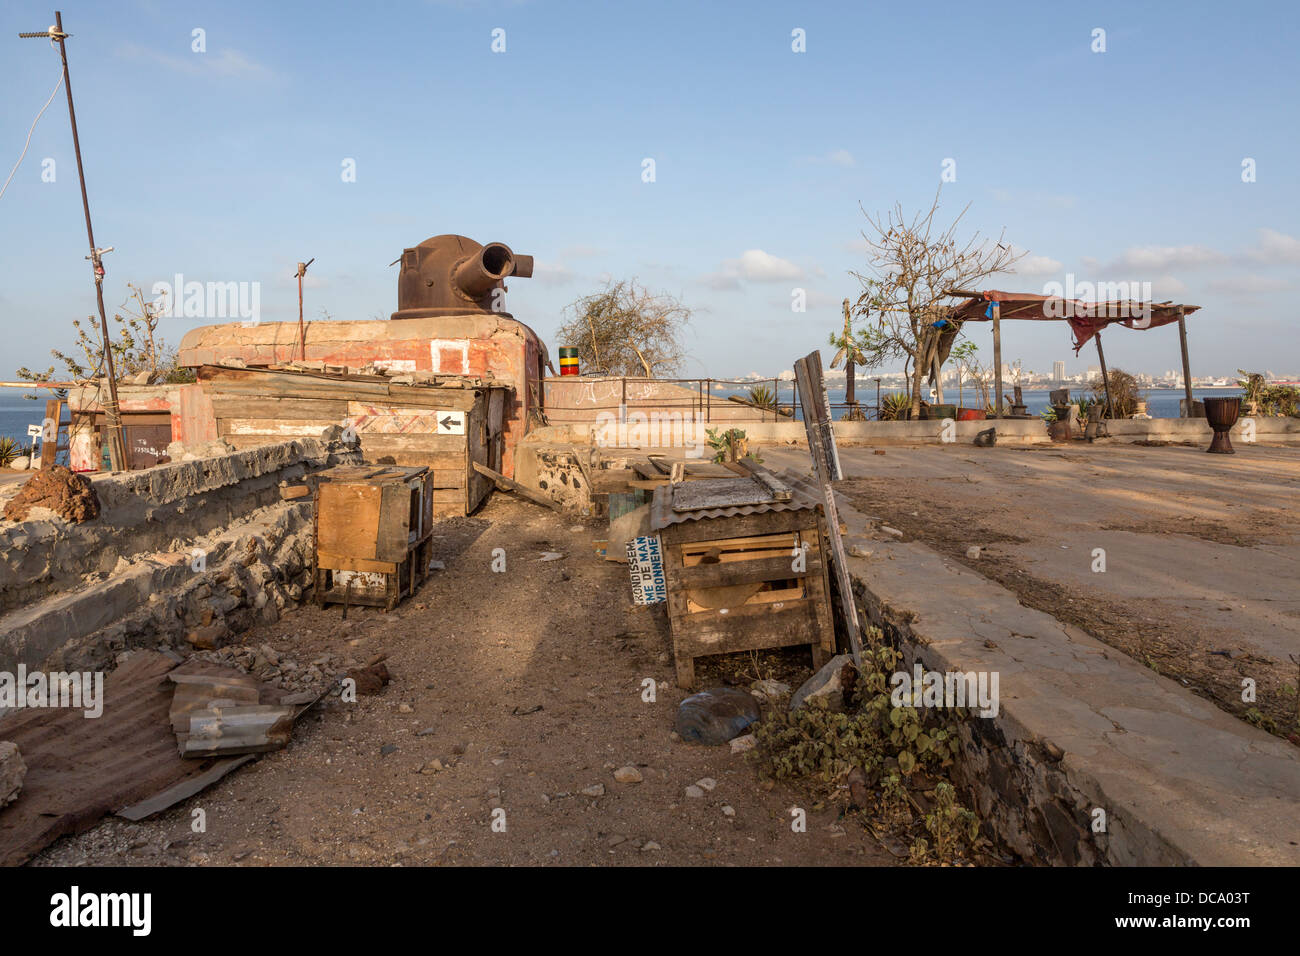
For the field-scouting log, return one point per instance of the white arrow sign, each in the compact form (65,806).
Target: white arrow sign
(451,423)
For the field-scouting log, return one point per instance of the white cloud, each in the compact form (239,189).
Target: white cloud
(547,274)
(1031,266)
(1249,285)
(1166,287)
(225,62)
(1275,248)
(759,266)
(1149,259)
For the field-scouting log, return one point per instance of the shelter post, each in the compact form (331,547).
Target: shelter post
(1105,377)
(997,359)
(1187,367)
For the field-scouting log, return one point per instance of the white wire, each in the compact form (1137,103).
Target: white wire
(29,135)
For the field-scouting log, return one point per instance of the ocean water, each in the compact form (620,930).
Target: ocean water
(16,413)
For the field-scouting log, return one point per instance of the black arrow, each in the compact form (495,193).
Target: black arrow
(447,422)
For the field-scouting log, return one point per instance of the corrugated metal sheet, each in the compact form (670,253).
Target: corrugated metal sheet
(662,514)
(80,769)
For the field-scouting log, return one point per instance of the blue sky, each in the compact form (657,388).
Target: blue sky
(225,165)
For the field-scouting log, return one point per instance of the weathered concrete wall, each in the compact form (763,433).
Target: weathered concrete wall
(163,534)
(588,399)
(151,510)
(691,438)
(556,471)
(1081,728)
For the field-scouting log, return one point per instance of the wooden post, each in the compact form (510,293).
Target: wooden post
(826,468)
(997,359)
(1105,379)
(1187,368)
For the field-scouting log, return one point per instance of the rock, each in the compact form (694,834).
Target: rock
(12,772)
(405,709)
(426,731)
(433,766)
(21,463)
(973,553)
(743,743)
(694,792)
(829,682)
(728,811)
(633,524)
(858,551)
(370,680)
(206,638)
(387,749)
(68,494)
(769,689)
(987,438)
(616,839)
(859,795)
(595,790)
(707,783)
(627,774)
(649,846)
(892,532)
(716,715)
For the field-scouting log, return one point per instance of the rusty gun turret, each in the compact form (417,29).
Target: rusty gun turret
(451,275)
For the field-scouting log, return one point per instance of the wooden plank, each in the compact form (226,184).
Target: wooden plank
(429,443)
(331,561)
(50,443)
(506,484)
(826,469)
(278,427)
(751,627)
(611,480)
(393,537)
(739,572)
(348,517)
(327,411)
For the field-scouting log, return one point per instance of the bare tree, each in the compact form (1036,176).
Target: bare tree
(913,265)
(625,329)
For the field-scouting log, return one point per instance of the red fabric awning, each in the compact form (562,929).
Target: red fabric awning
(1086,318)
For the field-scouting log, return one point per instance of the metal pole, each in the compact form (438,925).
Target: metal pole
(1187,368)
(997,359)
(112,413)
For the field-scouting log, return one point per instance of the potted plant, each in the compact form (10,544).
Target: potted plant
(1252,387)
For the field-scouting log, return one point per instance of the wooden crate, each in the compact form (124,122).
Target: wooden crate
(373,529)
(732,587)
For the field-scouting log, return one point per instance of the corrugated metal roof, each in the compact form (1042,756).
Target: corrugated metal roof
(662,514)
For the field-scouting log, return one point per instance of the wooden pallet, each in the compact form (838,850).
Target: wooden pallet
(732,586)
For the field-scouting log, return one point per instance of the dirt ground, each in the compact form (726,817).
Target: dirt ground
(526,686)
(1202,552)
